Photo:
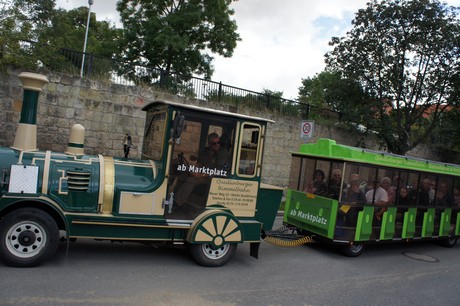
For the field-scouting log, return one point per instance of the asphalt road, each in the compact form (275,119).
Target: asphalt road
(101,273)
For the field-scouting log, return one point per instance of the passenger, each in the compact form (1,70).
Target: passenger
(403,197)
(317,186)
(378,197)
(354,195)
(432,191)
(457,196)
(367,185)
(403,201)
(386,184)
(424,198)
(335,184)
(443,196)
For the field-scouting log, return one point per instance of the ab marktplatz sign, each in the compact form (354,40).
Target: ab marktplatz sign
(306,129)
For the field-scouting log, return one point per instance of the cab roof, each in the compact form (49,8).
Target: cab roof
(204,110)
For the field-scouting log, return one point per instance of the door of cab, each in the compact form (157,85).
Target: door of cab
(203,151)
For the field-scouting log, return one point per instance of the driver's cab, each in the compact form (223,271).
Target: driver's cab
(209,157)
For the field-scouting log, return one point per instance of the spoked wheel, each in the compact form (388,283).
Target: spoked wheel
(209,256)
(28,236)
(352,250)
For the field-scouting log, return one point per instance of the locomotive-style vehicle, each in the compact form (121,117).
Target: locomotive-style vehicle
(199,185)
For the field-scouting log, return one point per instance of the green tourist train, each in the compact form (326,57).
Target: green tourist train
(199,185)
(350,197)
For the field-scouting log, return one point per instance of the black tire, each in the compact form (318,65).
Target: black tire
(28,237)
(448,242)
(352,250)
(207,256)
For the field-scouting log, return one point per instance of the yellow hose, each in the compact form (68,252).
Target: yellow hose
(288,243)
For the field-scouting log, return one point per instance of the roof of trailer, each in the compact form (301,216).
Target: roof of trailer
(205,109)
(327,148)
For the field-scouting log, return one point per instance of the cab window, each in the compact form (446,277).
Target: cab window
(249,149)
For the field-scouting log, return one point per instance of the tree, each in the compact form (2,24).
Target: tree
(328,90)
(20,25)
(330,95)
(406,56)
(176,35)
(33,33)
(67,30)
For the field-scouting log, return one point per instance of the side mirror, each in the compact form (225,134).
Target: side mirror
(178,125)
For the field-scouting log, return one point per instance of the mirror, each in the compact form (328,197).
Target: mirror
(178,124)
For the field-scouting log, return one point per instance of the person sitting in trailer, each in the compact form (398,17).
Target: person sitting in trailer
(352,199)
(317,185)
(379,197)
(335,184)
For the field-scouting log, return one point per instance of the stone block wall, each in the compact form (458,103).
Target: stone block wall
(109,111)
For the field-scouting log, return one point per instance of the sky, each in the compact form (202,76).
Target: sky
(283,41)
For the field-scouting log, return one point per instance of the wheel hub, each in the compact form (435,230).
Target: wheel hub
(27,238)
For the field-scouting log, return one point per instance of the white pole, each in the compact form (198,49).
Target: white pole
(90,2)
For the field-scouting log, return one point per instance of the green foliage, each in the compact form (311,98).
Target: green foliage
(328,90)
(405,55)
(447,134)
(176,35)
(33,33)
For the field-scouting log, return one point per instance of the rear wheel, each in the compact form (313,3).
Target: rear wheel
(352,250)
(207,255)
(28,236)
(448,242)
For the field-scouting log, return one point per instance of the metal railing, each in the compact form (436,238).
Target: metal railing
(123,73)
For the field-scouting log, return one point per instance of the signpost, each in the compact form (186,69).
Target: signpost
(306,129)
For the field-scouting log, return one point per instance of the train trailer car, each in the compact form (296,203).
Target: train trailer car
(351,196)
(199,185)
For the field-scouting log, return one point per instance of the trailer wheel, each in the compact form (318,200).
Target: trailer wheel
(207,255)
(448,242)
(352,250)
(28,236)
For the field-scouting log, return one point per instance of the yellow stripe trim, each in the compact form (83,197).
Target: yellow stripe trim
(109,185)
(128,224)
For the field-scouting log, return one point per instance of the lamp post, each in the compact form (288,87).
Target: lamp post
(90,2)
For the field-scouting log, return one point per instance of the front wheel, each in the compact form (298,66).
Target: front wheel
(28,236)
(352,250)
(207,255)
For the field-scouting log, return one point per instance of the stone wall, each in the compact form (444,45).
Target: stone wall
(109,111)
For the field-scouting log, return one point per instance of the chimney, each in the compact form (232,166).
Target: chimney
(26,132)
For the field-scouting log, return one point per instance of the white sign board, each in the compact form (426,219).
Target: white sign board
(23,179)
(306,129)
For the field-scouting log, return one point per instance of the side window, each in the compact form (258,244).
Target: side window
(154,135)
(249,149)
(187,149)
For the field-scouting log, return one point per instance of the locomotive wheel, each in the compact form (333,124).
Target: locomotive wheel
(353,250)
(207,255)
(28,236)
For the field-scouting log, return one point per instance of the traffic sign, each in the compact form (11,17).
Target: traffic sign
(306,129)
